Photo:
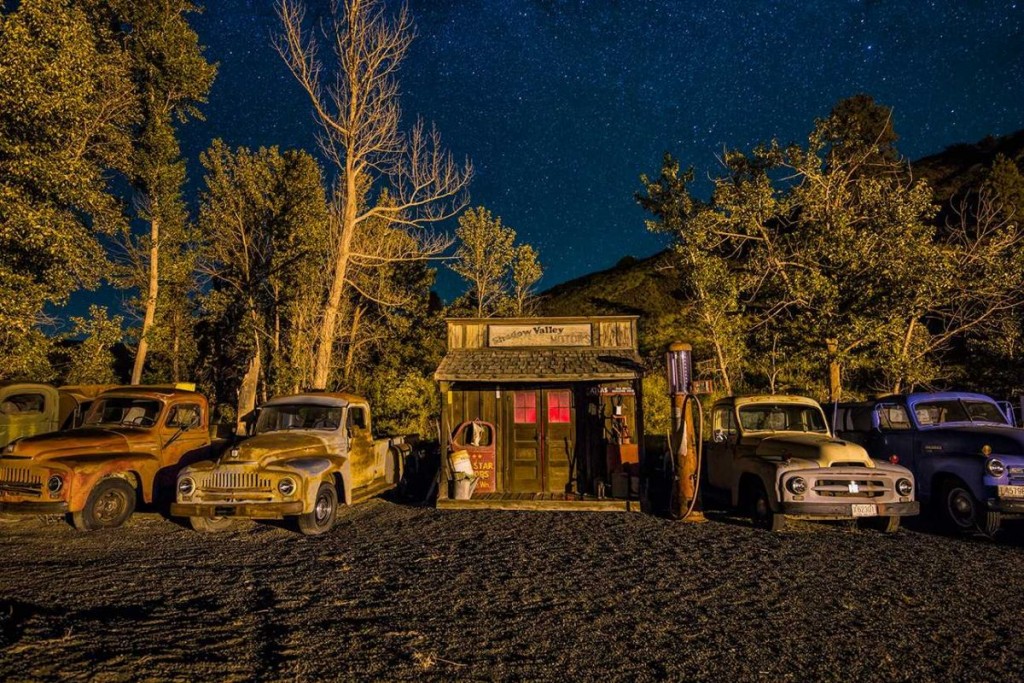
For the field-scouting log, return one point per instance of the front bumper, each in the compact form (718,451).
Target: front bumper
(1010,506)
(249,510)
(845,510)
(33,508)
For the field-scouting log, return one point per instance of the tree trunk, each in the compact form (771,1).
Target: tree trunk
(151,296)
(350,355)
(247,390)
(329,324)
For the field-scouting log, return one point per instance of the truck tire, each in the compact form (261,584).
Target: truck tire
(324,514)
(887,524)
(963,513)
(111,502)
(760,509)
(211,525)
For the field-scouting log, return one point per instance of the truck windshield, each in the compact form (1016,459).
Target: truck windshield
(935,413)
(298,416)
(782,417)
(123,411)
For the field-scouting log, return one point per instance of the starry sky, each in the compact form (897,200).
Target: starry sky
(562,104)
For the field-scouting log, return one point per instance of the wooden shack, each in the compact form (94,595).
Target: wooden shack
(548,410)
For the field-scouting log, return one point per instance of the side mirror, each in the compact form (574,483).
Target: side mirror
(719,436)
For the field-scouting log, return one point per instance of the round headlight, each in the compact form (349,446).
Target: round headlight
(797,486)
(54,484)
(995,467)
(286,487)
(904,487)
(186,486)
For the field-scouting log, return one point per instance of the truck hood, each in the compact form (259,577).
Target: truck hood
(823,450)
(82,441)
(969,438)
(277,446)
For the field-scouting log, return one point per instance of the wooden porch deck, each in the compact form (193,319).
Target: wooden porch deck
(538,501)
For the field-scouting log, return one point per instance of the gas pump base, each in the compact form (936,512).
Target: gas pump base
(695,517)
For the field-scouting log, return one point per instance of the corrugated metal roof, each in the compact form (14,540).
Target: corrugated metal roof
(539,365)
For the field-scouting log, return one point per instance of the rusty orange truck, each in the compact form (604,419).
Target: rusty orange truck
(129,448)
(308,453)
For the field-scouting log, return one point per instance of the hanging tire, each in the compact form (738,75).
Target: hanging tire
(211,525)
(110,503)
(759,508)
(324,514)
(887,524)
(963,513)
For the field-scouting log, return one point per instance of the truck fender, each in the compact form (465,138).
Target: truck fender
(969,468)
(137,469)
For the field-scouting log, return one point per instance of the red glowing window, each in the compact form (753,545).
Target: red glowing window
(558,406)
(526,407)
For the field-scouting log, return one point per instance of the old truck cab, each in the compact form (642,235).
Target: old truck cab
(30,408)
(962,447)
(776,458)
(307,454)
(130,445)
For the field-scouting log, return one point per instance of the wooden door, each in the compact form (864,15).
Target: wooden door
(525,467)
(543,440)
(558,438)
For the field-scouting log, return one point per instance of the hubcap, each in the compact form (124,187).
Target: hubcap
(961,508)
(323,508)
(110,506)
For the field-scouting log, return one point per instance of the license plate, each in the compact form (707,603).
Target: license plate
(863,510)
(1011,491)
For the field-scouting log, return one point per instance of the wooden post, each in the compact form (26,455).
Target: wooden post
(835,386)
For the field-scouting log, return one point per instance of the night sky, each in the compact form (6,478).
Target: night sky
(563,104)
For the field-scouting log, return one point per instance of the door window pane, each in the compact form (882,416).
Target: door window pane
(558,406)
(526,407)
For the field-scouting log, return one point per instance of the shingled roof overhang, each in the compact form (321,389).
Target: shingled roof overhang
(539,365)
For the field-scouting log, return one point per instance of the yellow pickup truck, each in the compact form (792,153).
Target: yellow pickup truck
(775,457)
(129,448)
(307,454)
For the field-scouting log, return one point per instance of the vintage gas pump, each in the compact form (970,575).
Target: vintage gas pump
(686,447)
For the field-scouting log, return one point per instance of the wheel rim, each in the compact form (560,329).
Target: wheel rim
(960,505)
(110,506)
(761,509)
(323,509)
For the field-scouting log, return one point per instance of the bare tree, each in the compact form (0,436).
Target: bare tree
(356,105)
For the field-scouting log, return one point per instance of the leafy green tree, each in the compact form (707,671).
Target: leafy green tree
(264,217)
(171,78)
(91,361)
(66,114)
(704,250)
(484,257)
(526,272)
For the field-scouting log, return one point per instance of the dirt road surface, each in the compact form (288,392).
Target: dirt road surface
(406,593)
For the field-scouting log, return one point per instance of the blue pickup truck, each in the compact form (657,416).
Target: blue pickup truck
(965,453)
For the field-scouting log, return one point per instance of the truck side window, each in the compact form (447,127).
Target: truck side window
(724,424)
(893,417)
(23,404)
(184,415)
(356,419)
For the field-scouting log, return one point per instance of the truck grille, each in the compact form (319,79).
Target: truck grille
(235,481)
(20,480)
(1016,475)
(840,488)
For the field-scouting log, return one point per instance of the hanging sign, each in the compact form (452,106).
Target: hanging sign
(539,335)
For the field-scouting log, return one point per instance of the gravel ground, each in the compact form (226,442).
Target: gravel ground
(397,593)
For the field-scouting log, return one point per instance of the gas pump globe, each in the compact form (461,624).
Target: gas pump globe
(679,368)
